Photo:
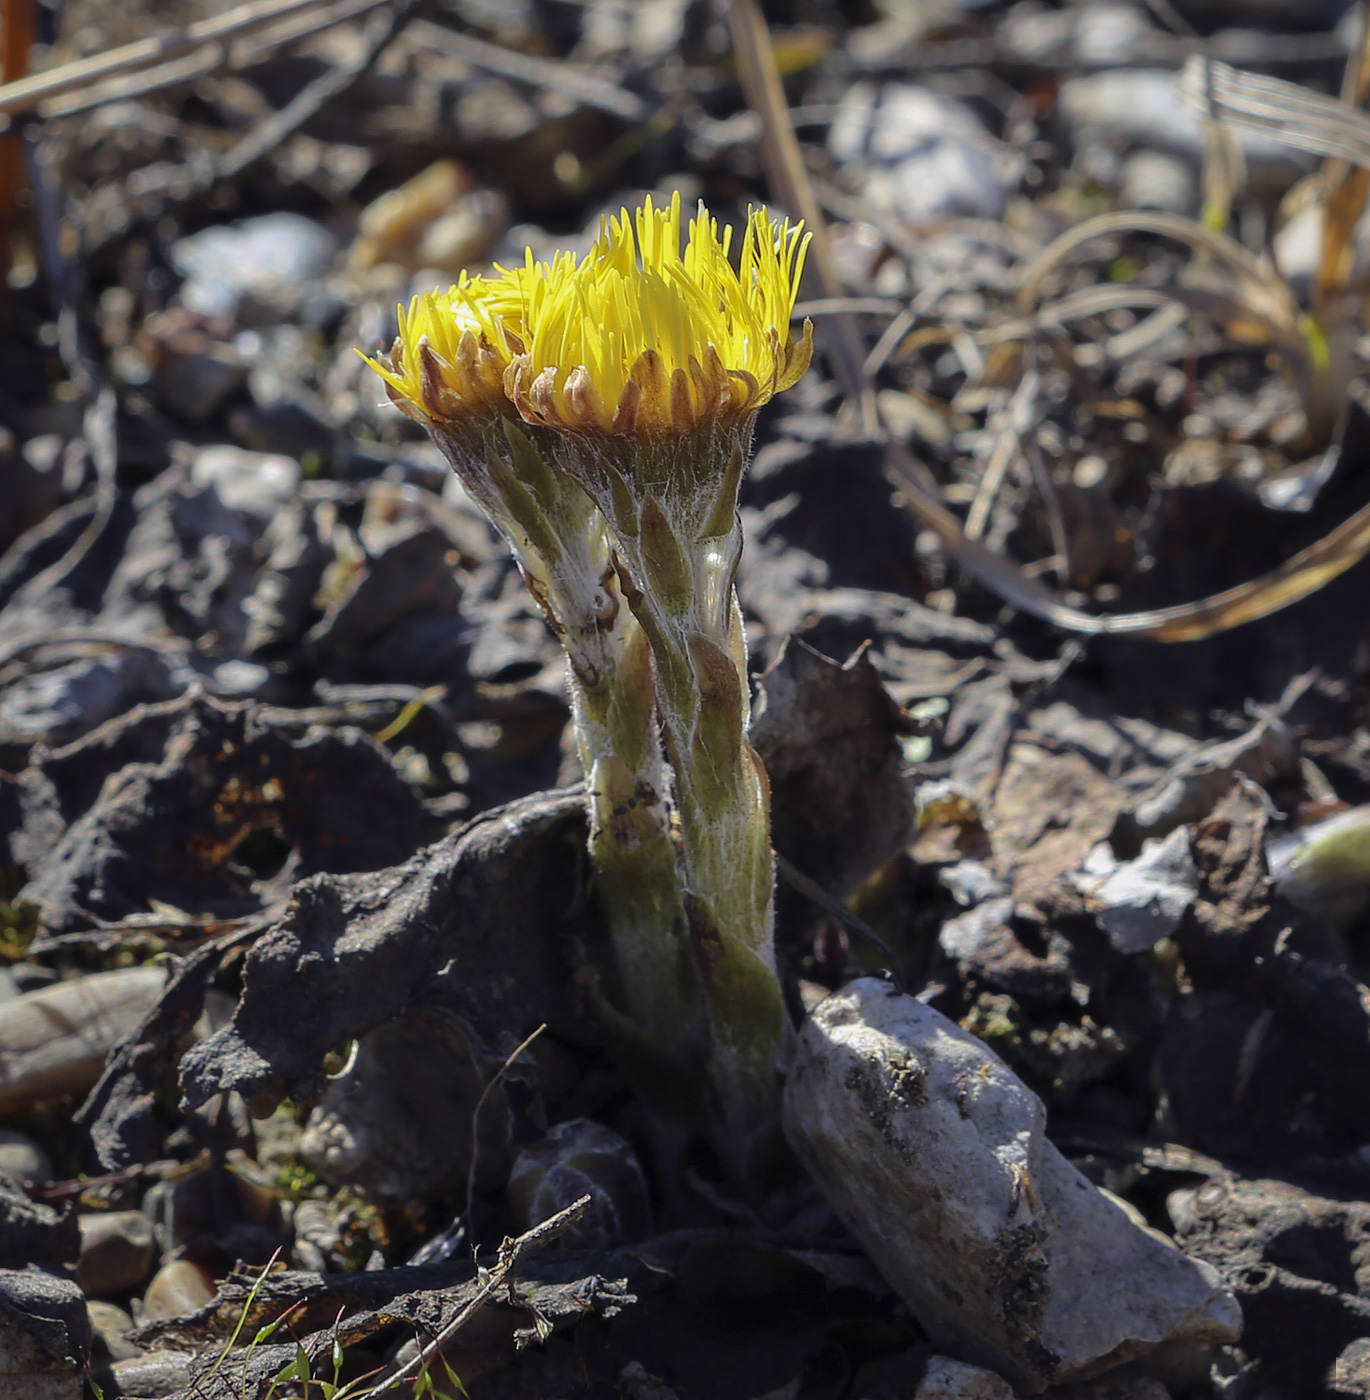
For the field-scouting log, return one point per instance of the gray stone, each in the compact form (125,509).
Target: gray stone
(1154,180)
(66,701)
(259,483)
(111,1326)
(934,1154)
(22,1158)
(151,1377)
(946,1379)
(54,1041)
(1140,106)
(1351,1371)
(918,153)
(43,1333)
(118,1247)
(921,1374)
(268,256)
(1141,901)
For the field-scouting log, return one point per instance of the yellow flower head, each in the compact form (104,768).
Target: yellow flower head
(449,359)
(639,337)
(636,337)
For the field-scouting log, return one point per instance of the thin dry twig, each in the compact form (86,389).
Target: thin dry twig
(189,181)
(556,75)
(845,306)
(87,636)
(485,1093)
(907,318)
(789,179)
(1252,275)
(1056,521)
(1292,115)
(511,1254)
(1013,422)
(25,95)
(312,98)
(202,61)
(1297,578)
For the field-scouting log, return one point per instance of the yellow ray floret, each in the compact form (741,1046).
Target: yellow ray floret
(639,337)
(636,337)
(449,359)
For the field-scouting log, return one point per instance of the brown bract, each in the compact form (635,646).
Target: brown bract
(654,401)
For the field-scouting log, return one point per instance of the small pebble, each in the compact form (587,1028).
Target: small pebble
(1351,1370)
(576,1158)
(267,256)
(178,1288)
(22,1158)
(396,226)
(118,1248)
(945,1379)
(54,1041)
(1154,180)
(111,1327)
(151,1377)
(922,155)
(1141,106)
(258,483)
(465,234)
(316,1234)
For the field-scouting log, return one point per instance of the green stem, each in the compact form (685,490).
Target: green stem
(560,541)
(678,542)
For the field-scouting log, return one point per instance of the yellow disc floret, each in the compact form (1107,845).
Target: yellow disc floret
(636,337)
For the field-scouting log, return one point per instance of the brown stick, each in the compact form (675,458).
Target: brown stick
(16,39)
(789,180)
(25,94)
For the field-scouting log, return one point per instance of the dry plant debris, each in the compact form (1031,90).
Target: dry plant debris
(1054,596)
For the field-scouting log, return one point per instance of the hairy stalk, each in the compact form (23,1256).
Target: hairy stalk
(560,541)
(639,370)
(672,505)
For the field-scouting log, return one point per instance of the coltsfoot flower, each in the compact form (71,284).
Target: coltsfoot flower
(448,363)
(637,371)
(637,337)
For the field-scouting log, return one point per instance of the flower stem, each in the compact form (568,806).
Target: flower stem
(560,541)
(677,539)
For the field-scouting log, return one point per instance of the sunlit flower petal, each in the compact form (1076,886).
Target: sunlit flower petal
(637,337)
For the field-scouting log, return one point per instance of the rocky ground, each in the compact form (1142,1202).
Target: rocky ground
(291,856)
